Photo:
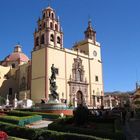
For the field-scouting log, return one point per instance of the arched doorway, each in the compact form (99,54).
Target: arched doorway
(79,96)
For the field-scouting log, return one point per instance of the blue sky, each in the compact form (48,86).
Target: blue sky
(117,23)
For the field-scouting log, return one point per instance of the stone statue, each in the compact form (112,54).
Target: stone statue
(15,101)
(53,86)
(7,100)
(53,71)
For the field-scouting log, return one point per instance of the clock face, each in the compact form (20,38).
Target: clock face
(94,53)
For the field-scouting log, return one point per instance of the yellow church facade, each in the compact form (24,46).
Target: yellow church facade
(79,77)
(79,70)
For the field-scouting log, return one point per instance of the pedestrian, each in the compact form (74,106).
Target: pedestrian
(123,116)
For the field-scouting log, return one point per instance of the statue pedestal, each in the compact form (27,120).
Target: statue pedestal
(54,107)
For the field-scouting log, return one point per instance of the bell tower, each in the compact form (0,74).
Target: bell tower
(48,32)
(90,33)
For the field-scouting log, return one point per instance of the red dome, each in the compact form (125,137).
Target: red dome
(18,56)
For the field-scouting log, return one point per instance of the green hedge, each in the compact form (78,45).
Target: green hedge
(26,113)
(60,126)
(34,134)
(101,120)
(15,138)
(21,121)
(18,113)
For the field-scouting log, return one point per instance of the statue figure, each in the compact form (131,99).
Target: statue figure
(53,86)
(25,96)
(15,101)
(53,71)
(7,100)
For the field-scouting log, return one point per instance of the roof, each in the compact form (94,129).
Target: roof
(17,55)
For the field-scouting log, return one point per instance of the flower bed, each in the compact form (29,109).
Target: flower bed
(3,136)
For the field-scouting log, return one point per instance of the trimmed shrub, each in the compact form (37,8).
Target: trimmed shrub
(117,134)
(81,114)
(26,113)
(36,134)
(21,121)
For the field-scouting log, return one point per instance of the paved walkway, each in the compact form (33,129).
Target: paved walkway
(132,129)
(39,124)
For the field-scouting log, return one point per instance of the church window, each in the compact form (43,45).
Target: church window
(51,25)
(57,70)
(10,91)
(42,39)
(39,26)
(37,41)
(6,76)
(56,27)
(13,65)
(49,13)
(96,78)
(52,38)
(98,99)
(44,15)
(44,25)
(23,83)
(58,40)
(52,15)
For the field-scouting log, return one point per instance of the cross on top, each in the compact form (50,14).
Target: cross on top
(49,2)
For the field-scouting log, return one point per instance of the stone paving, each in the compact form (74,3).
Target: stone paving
(39,124)
(132,129)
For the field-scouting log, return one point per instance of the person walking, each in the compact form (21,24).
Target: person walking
(123,116)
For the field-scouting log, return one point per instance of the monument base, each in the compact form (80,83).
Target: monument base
(53,106)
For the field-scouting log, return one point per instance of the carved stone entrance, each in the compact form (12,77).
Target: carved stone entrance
(79,97)
(77,84)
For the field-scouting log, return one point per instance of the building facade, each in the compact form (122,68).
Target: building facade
(79,76)
(79,70)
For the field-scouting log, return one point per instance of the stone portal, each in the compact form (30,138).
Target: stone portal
(78,84)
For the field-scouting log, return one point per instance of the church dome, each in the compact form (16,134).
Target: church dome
(16,56)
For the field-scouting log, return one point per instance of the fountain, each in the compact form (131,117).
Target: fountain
(53,105)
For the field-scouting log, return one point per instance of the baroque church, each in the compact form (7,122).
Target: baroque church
(79,76)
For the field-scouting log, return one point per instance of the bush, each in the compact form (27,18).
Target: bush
(21,121)
(101,120)
(36,134)
(81,115)
(3,135)
(2,100)
(113,132)
(26,113)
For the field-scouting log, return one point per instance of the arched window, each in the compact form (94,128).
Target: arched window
(40,27)
(49,13)
(44,15)
(56,27)
(42,39)
(13,65)
(52,15)
(52,38)
(37,41)
(51,25)
(58,40)
(44,24)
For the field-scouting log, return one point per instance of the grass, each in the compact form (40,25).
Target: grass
(15,138)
